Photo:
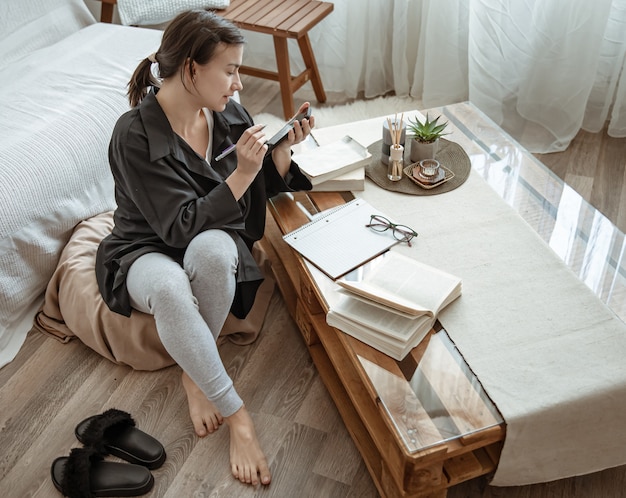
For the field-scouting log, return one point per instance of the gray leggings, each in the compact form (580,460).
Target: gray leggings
(190,305)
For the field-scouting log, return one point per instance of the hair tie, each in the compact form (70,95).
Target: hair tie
(152,57)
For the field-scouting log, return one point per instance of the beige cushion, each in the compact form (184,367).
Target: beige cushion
(73,306)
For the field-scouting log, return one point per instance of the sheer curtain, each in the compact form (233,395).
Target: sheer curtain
(542,69)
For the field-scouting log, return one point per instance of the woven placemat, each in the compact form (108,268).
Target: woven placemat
(450,154)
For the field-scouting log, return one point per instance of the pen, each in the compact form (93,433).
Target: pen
(229,149)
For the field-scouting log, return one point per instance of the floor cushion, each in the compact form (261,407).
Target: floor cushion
(73,306)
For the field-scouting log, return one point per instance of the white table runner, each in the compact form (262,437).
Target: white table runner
(548,352)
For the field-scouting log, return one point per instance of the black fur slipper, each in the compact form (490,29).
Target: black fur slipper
(114,432)
(84,474)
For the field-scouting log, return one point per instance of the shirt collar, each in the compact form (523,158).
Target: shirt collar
(161,138)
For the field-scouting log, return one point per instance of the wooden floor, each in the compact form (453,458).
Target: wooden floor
(51,386)
(595,166)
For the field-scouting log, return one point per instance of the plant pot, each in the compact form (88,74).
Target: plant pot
(423,150)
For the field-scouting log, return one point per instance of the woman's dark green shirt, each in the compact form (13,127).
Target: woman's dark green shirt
(167,194)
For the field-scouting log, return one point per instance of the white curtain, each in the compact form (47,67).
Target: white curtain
(542,69)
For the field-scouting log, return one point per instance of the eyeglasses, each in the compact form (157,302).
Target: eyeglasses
(400,232)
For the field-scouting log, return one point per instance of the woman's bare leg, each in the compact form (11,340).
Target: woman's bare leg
(205,416)
(247,461)
(161,287)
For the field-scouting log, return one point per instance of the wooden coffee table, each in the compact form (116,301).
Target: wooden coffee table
(425,424)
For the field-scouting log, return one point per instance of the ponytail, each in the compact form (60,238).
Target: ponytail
(141,81)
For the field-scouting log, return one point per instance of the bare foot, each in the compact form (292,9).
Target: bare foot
(205,417)
(247,460)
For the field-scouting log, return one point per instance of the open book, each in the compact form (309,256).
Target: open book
(332,160)
(394,305)
(405,285)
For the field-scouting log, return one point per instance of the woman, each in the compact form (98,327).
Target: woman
(185,223)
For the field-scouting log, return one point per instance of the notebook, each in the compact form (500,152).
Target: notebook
(337,240)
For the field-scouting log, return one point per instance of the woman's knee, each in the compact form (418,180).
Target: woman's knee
(210,252)
(155,278)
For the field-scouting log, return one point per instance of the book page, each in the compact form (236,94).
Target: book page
(386,322)
(376,304)
(395,347)
(388,345)
(407,285)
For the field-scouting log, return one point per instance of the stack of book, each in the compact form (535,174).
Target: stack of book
(335,166)
(393,305)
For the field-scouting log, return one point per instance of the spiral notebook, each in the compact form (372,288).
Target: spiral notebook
(337,241)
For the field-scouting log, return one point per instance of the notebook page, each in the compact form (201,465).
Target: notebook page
(339,241)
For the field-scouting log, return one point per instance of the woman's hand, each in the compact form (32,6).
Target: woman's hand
(251,150)
(282,152)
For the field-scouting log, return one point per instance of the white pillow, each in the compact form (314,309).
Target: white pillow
(142,12)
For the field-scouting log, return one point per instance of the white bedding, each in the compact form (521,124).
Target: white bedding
(28,25)
(58,106)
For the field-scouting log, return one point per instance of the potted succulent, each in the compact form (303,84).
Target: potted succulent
(425,137)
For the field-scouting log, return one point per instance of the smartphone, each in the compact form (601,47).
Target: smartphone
(284,131)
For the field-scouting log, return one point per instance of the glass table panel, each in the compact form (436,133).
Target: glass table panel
(583,238)
(436,399)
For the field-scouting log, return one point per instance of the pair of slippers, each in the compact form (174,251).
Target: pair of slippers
(85,473)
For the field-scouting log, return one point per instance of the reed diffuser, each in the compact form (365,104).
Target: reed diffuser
(396,152)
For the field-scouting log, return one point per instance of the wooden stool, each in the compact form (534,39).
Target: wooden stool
(106,11)
(283,19)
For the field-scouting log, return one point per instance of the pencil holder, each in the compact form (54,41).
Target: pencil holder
(388,140)
(396,163)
